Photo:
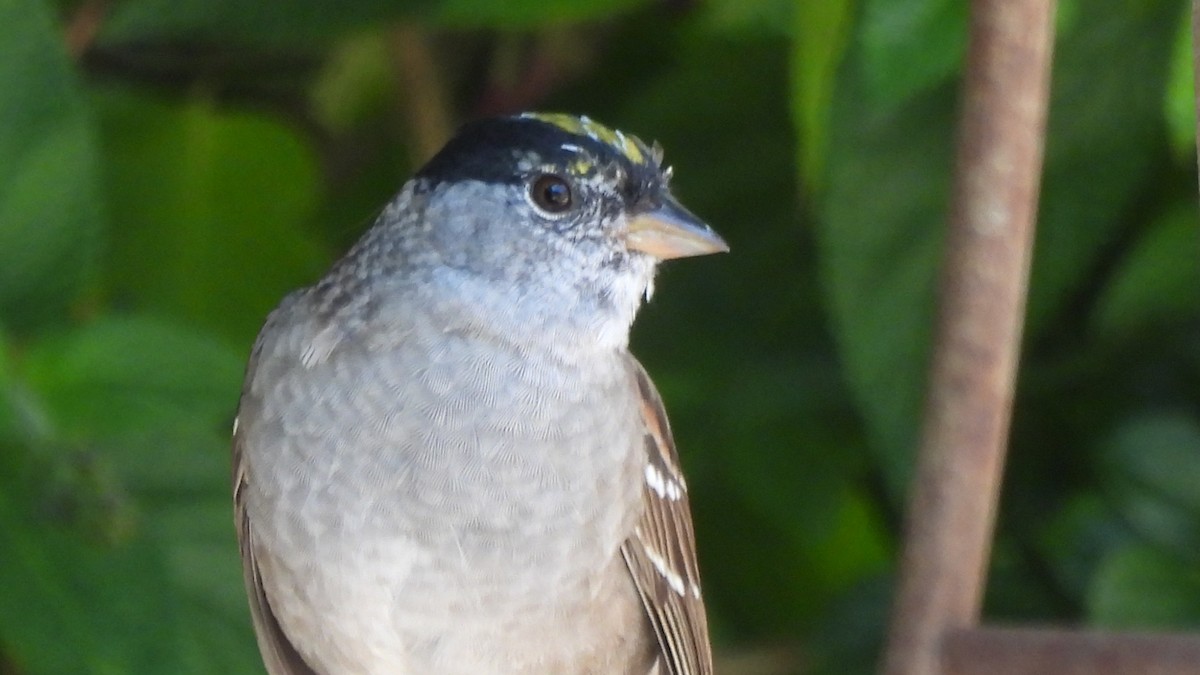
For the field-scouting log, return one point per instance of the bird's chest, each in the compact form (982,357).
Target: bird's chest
(496,474)
(435,492)
(538,483)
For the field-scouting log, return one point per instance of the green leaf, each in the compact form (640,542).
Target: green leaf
(755,17)
(857,547)
(301,21)
(1158,279)
(1076,538)
(201,551)
(75,605)
(22,417)
(355,83)
(909,46)
(822,31)
(1151,470)
(51,214)
(525,13)
(158,398)
(1103,142)
(297,22)
(879,235)
(1138,587)
(210,211)
(1179,102)
(152,403)
(849,639)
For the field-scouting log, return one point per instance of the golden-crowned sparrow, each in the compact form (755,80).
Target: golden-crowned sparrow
(445,458)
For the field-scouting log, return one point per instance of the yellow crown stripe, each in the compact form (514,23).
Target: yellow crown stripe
(584,126)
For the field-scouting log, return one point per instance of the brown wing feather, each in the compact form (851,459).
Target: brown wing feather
(661,555)
(279,656)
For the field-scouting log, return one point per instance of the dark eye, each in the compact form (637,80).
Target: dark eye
(551,193)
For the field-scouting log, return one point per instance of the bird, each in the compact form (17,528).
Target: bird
(445,459)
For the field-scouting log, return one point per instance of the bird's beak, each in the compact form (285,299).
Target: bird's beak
(671,231)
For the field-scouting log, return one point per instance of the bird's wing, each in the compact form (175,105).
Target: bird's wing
(661,554)
(280,657)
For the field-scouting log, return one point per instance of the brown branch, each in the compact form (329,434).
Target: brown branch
(982,300)
(420,90)
(1005,651)
(84,25)
(518,82)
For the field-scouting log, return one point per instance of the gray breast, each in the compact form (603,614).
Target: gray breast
(494,473)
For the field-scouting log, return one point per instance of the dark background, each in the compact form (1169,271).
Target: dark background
(170,168)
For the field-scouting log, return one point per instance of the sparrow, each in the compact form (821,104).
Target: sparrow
(445,458)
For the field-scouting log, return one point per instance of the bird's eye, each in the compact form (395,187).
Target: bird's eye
(551,193)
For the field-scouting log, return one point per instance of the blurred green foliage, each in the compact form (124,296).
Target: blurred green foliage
(170,169)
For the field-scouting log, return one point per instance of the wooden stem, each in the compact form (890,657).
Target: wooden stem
(977,338)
